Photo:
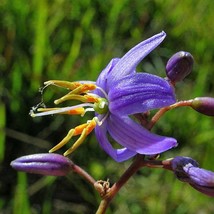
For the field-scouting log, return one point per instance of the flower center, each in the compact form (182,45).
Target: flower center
(101,107)
(91,102)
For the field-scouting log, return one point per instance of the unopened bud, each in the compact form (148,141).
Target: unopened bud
(178,163)
(204,105)
(44,164)
(179,66)
(187,170)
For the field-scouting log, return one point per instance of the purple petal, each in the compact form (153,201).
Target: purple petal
(102,80)
(139,93)
(118,155)
(45,164)
(132,58)
(199,176)
(133,136)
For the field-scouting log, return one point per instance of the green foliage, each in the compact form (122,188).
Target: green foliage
(2,132)
(21,200)
(74,40)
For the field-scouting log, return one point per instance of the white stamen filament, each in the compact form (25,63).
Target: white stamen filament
(86,82)
(100,122)
(104,93)
(58,111)
(87,110)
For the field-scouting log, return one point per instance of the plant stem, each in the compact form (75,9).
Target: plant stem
(162,111)
(137,163)
(83,173)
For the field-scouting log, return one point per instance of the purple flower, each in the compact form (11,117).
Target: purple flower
(187,170)
(118,93)
(44,164)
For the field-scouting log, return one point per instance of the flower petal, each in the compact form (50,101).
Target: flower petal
(118,155)
(199,176)
(102,80)
(133,136)
(139,93)
(132,58)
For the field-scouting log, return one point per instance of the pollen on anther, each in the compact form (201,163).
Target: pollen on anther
(77,111)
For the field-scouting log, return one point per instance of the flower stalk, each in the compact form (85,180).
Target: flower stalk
(138,163)
(162,111)
(134,167)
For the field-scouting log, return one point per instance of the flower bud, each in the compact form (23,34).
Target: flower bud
(179,66)
(178,163)
(204,105)
(187,170)
(44,164)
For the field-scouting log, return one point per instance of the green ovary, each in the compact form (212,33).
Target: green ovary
(101,107)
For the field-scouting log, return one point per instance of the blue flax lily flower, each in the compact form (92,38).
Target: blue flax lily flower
(118,93)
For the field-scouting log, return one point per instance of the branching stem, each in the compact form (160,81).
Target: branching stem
(140,160)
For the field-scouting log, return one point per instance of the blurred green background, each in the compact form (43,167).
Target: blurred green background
(74,40)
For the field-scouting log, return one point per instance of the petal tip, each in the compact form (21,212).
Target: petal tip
(163,33)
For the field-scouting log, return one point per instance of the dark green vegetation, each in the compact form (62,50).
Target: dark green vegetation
(74,40)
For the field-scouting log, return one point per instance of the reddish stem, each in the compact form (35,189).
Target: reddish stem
(137,163)
(162,111)
(83,173)
(140,162)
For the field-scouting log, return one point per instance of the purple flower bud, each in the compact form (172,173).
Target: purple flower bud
(45,164)
(179,66)
(187,170)
(204,105)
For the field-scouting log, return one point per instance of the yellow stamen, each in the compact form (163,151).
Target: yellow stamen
(84,88)
(75,87)
(77,111)
(82,130)
(77,143)
(63,141)
(64,84)
(85,132)
(82,98)
(77,91)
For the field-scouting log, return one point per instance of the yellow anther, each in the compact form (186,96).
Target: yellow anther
(82,98)
(75,87)
(91,99)
(77,143)
(78,129)
(85,132)
(88,87)
(46,109)
(84,88)
(64,84)
(63,141)
(82,130)
(77,111)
